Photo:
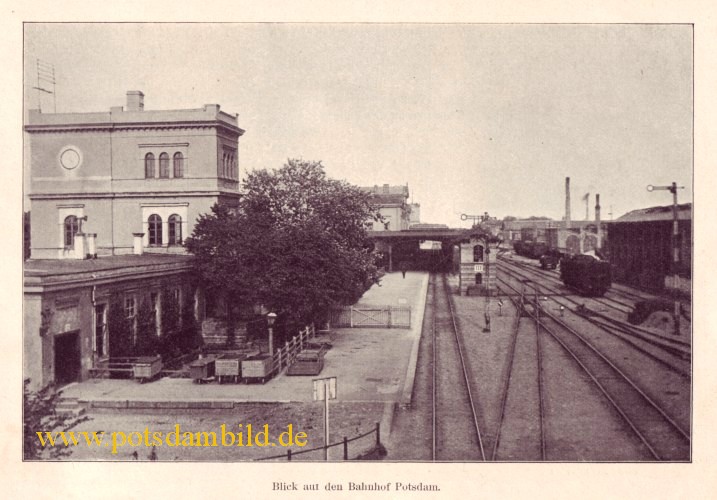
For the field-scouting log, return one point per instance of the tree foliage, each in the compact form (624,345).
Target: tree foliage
(297,243)
(120,329)
(39,415)
(147,340)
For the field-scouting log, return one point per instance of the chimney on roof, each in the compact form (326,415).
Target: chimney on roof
(135,100)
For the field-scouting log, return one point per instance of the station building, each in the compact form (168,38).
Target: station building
(113,196)
(392,203)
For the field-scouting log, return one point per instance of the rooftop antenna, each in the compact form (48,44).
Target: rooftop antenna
(45,78)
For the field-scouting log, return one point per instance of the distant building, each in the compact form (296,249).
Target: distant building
(392,204)
(414,217)
(640,248)
(113,196)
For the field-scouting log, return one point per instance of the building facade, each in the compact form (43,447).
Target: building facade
(640,248)
(477,264)
(113,196)
(113,175)
(392,204)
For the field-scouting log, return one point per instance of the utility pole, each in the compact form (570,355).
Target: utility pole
(675,246)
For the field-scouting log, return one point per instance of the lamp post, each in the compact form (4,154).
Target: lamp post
(270,319)
(675,244)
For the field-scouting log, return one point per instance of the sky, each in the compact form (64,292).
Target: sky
(473,117)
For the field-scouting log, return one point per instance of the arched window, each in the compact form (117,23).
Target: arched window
(175,229)
(478,253)
(164,166)
(149,166)
(178,164)
(155,229)
(72,226)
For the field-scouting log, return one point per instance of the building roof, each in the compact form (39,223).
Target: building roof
(684,212)
(119,118)
(47,272)
(516,225)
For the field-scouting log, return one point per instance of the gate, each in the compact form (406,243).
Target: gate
(371,317)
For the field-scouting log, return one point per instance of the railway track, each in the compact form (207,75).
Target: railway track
(670,351)
(625,304)
(661,436)
(456,433)
(666,341)
(522,397)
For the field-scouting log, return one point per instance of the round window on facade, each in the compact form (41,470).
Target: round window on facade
(70,157)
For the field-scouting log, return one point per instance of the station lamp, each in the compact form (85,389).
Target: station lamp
(270,320)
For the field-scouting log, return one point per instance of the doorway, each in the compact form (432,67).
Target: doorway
(67,358)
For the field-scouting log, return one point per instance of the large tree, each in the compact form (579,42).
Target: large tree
(297,243)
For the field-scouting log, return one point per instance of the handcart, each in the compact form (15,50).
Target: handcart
(202,370)
(228,367)
(146,368)
(258,367)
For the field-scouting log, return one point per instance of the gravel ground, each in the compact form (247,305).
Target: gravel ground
(519,437)
(346,419)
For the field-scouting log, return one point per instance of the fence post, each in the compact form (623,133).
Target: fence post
(351,317)
(288,454)
(389,316)
(346,448)
(378,433)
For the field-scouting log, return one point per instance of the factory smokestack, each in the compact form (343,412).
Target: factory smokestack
(567,202)
(597,208)
(597,221)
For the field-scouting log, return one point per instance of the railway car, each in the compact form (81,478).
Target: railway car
(586,274)
(530,249)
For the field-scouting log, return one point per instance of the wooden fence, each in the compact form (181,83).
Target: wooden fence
(371,317)
(284,356)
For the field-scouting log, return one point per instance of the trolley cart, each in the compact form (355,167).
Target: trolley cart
(202,370)
(228,367)
(257,367)
(147,368)
(307,363)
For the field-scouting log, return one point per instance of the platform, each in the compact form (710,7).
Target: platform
(370,364)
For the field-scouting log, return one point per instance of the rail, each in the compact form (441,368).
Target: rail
(464,371)
(672,348)
(285,356)
(601,386)
(344,442)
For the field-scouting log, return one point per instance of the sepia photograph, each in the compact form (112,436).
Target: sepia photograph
(396,242)
(358,250)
